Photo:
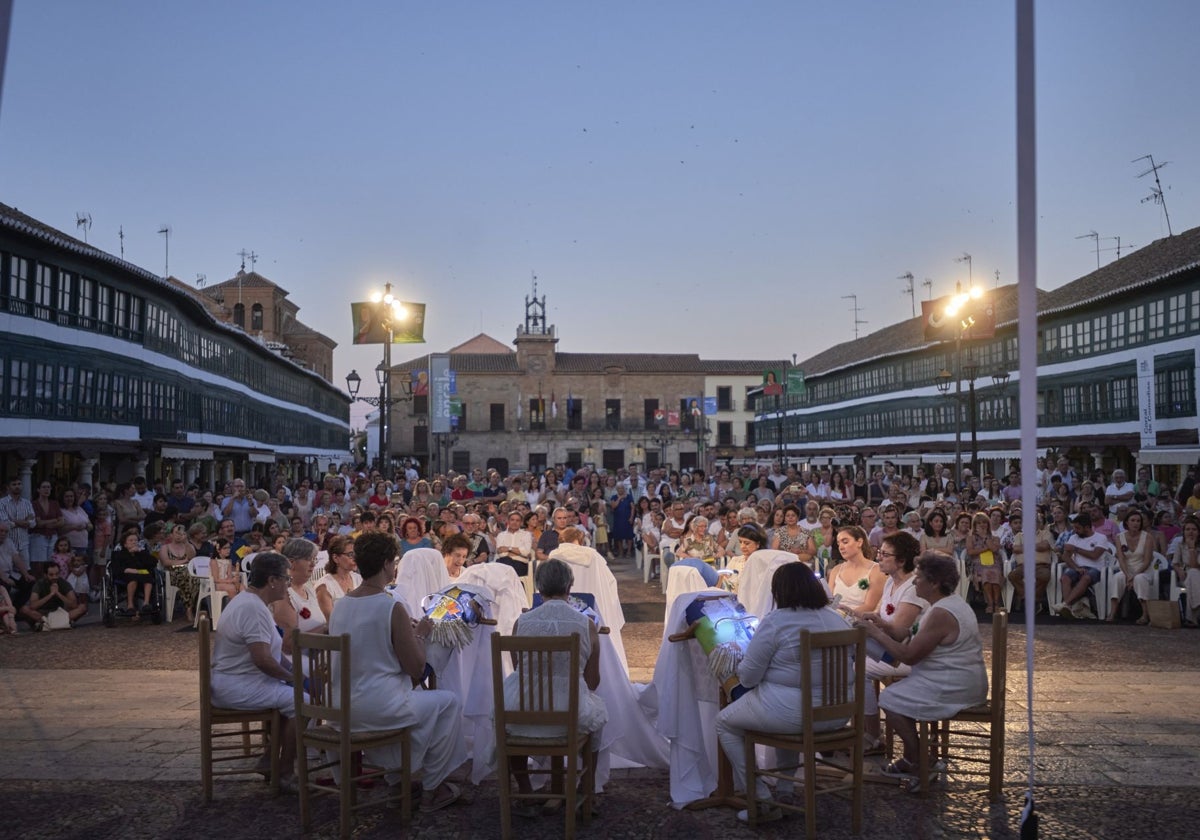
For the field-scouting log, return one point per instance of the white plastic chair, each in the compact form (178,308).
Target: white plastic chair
(964,581)
(648,558)
(319,566)
(201,569)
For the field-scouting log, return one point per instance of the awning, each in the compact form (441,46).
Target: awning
(261,457)
(1184,456)
(186,453)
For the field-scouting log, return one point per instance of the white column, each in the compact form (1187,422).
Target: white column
(189,472)
(26,475)
(87,467)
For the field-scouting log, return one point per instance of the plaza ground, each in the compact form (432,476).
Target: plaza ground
(101,741)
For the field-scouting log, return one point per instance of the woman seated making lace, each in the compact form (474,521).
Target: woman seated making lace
(556,617)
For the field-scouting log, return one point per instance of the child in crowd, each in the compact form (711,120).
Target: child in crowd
(77,578)
(600,537)
(224,571)
(62,556)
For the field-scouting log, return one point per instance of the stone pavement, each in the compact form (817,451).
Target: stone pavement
(100,731)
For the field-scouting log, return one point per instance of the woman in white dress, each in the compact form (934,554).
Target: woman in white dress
(857,579)
(300,608)
(1135,552)
(387,656)
(249,670)
(341,574)
(556,617)
(899,609)
(946,656)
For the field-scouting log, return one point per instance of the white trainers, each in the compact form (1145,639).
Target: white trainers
(1080,609)
(1064,611)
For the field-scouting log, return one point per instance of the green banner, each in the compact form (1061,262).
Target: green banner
(795,381)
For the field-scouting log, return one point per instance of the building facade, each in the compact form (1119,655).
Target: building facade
(534,406)
(108,371)
(1117,358)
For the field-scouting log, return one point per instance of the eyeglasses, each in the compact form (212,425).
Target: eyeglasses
(885,554)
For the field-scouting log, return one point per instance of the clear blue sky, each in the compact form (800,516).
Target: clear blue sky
(697,176)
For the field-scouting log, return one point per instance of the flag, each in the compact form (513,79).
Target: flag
(518,408)
(570,403)
(553,406)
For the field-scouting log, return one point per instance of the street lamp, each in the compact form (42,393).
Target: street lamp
(661,442)
(960,313)
(392,312)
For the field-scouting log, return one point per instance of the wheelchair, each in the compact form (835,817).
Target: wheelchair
(112,598)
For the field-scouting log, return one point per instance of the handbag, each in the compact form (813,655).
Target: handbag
(58,619)
(1164,614)
(1129,608)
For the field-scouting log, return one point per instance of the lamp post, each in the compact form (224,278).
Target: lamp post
(392,312)
(661,442)
(961,312)
(969,371)
(448,441)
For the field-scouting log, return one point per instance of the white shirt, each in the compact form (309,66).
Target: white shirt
(520,539)
(1089,543)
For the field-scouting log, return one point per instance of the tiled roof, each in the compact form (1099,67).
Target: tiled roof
(482,343)
(1157,261)
(249,280)
(468,363)
(301,330)
(14,219)
(597,363)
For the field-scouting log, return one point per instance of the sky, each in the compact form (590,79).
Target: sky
(698,177)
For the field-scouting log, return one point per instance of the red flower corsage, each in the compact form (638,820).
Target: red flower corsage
(305,613)
(891,608)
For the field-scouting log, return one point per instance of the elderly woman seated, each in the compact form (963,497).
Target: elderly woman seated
(946,656)
(387,659)
(772,669)
(556,617)
(249,670)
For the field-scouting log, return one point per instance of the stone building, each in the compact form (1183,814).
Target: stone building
(537,406)
(261,308)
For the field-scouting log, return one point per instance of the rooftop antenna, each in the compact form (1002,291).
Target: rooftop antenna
(121,236)
(1091,234)
(1117,249)
(910,290)
(1156,193)
(856,310)
(997,272)
(253,260)
(83,220)
(201,279)
(966,258)
(928,284)
(165,230)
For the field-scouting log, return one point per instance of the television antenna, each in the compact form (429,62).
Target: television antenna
(856,310)
(966,258)
(1095,237)
(928,284)
(1156,192)
(1118,248)
(201,279)
(165,230)
(910,290)
(121,236)
(83,220)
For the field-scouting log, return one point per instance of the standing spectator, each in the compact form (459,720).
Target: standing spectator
(14,571)
(129,511)
(240,508)
(76,525)
(142,494)
(48,519)
(514,545)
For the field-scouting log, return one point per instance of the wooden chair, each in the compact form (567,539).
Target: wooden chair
(980,747)
(537,660)
(841,658)
(323,718)
(213,752)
